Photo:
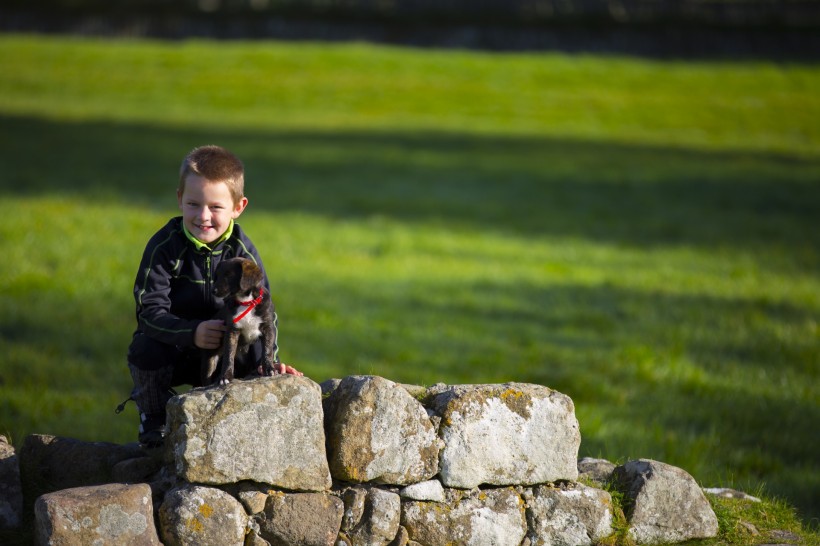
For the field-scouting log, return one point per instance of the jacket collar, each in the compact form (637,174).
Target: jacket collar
(204,246)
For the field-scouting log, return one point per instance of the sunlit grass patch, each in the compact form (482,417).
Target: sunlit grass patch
(638,235)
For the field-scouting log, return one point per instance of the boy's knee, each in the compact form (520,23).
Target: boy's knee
(145,353)
(152,389)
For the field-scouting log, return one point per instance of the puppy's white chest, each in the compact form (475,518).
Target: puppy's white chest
(249,325)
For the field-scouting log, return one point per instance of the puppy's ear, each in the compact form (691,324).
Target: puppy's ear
(251,276)
(220,272)
(227,270)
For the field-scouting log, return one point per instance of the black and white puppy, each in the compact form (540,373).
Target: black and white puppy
(248,315)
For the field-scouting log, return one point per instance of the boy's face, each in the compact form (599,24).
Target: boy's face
(207,208)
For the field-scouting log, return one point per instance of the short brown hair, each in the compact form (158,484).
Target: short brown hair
(215,164)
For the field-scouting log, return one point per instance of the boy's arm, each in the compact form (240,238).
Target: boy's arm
(152,290)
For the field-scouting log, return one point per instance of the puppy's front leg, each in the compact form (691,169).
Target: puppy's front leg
(208,370)
(268,342)
(228,355)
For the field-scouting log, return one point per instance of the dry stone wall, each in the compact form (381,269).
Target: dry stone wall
(357,461)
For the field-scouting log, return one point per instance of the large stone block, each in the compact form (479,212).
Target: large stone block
(494,517)
(268,430)
(371,516)
(306,519)
(194,514)
(377,432)
(508,434)
(665,505)
(103,515)
(568,514)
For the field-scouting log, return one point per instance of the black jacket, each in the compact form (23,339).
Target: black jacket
(173,288)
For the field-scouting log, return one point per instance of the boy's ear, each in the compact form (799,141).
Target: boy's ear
(239,207)
(251,276)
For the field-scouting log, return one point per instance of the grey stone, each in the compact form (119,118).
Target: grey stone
(305,519)
(353,499)
(11,488)
(665,503)
(43,467)
(750,528)
(371,516)
(598,471)
(568,514)
(726,493)
(103,515)
(402,537)
(378,433)
(494,517)
(194,514)
(267,430)
(136,470)
(329,385)
(253,496)
(514,433)
(253,539)
(783,536)
(430,490)
(416,391)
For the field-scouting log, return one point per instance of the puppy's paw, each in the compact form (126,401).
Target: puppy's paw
(226,378)
(268,370)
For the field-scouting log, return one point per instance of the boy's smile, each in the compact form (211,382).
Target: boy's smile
(208,208)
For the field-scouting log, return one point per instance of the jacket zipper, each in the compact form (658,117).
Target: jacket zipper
(209,294)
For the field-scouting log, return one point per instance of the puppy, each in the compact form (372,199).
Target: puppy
(248,314)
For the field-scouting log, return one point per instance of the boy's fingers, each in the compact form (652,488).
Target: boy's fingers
(216,325)
(285,369)
(281,369)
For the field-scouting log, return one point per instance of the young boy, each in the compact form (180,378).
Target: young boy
(173,288)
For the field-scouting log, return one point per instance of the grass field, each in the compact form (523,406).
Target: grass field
(642,236)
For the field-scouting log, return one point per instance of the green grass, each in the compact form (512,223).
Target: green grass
(639,235)
(740,521)
(745,522)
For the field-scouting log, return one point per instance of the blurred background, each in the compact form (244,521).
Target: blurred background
(785,29)
(617,199)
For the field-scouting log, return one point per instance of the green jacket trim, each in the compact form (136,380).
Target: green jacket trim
(200,245)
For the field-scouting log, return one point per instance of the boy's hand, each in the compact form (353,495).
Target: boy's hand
(209,334)
(284,368)
(281,368)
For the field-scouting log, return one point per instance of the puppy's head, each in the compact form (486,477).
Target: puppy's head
(236,276)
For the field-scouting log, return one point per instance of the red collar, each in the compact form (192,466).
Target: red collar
(250,305)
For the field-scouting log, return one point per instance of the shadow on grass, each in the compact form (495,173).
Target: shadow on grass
(610,192)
